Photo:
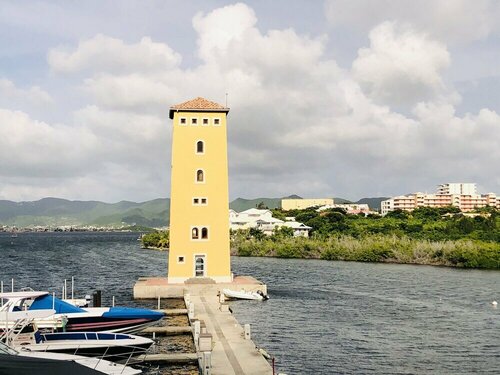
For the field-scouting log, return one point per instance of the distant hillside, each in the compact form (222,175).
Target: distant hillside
(55,211)
(241,204)
(373,203)
(154,213)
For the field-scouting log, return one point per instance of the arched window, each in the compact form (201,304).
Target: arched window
(200,147)
(204,233)
(200,176)
(195,234)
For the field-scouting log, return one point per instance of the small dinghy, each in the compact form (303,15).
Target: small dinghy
(242,294)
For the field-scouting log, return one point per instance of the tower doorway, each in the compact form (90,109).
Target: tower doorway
(199,266)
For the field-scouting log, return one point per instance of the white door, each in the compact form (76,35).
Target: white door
(199,265)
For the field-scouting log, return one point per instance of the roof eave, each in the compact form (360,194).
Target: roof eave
(215,110)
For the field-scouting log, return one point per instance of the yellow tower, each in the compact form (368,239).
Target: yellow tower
(199,209)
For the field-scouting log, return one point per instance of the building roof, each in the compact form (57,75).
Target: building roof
(255,211)
(198,104)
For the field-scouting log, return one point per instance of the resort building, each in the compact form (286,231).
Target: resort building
(301,204)
(349,208)
(199,229)
(264,220)
(457,189)
(461,195)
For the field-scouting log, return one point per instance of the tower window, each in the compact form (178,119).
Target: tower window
(200,147)
(200,176)
(194,120)
(216,121)
(199,233)
(205,122)
(183,121)
(180,259)
(199,201)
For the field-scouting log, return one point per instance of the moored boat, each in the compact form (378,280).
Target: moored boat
(96,319)
(242,294)
(24,335)
(14,362)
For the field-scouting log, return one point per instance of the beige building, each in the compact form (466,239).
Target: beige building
(301,204)
(463,196)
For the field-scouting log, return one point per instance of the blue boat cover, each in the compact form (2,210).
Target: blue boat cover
(132,313)
(47,302)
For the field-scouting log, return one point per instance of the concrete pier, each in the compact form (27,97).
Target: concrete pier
(223,346)
(154,287)
(231,354)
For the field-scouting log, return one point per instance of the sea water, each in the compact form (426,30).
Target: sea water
(322,318)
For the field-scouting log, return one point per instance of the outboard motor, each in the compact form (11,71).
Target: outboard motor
(264,296)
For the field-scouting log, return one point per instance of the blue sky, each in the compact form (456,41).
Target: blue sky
(328,98)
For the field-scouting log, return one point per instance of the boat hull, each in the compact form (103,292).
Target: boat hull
(16,365)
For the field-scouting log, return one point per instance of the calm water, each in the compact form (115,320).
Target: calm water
(322,318)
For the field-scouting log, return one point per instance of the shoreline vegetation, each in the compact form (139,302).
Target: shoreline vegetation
(426,236)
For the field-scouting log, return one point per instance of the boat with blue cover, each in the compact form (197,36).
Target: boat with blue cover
(68,317)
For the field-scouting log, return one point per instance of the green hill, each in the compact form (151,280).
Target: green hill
(154,213)
(55,211)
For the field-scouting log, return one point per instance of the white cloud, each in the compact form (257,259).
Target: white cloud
(456,21)
(103,53)
(15,97)
(401,65)
(298,123)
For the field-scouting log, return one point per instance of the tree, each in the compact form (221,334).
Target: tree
(283,232)
(256,233)
(262,206)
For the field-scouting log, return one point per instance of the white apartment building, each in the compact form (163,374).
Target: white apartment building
(350,208)
(457,189)
(264,220)
(461,195)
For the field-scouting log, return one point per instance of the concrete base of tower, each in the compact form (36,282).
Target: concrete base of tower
(154,287)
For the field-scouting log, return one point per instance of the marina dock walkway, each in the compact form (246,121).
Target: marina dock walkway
(232,354)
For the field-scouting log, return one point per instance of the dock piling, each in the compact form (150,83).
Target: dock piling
(159,302)
(191,311)
(113,303)
(12,288)
(247,332)
(197,330)
(207,363)
(1,289)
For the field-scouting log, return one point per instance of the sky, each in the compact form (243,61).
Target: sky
(335,98)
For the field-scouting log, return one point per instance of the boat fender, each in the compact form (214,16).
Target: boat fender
(264,353)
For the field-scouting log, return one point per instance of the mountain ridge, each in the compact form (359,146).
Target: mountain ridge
(51,211)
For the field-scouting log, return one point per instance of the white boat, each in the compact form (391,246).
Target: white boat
(95,319)
(23,334)
(243,294)
(15,362)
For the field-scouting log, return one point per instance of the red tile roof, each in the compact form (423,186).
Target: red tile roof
(198,104)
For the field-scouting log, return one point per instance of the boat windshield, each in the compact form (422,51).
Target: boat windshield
(17,304)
